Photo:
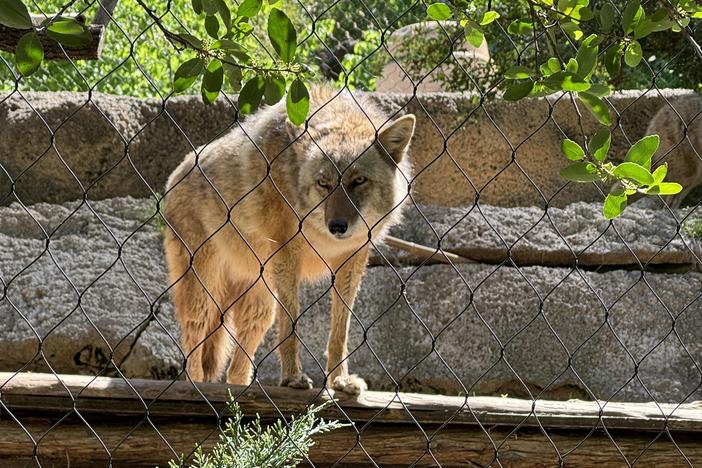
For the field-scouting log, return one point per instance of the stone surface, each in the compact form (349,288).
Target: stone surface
(559,236)
(475,328)
(507,152)
(481,329)
(77,302)
(453,54)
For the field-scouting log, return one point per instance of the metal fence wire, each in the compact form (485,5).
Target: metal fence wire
(501,279)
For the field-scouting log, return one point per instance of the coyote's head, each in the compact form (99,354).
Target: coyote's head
(353,176)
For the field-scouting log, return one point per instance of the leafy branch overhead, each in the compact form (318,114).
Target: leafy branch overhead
(614,40)
(256,74)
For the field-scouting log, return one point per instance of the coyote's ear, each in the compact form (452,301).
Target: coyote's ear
(396,137)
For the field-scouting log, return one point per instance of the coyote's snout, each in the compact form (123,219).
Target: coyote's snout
(269,206)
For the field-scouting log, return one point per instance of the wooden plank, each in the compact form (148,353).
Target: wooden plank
(113,396)
(52,50)
(148,443)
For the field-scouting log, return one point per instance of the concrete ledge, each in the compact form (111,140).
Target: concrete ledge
(118,146)
(565,236)
(560,332)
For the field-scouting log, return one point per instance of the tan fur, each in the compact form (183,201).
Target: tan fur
(235,251)
(682,152)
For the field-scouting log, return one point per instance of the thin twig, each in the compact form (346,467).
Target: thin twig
(684,29)
(426,253)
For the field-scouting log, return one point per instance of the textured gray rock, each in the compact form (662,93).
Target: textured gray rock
(476,328)
(482,329)
(78,301)
(559,236)
(117,146)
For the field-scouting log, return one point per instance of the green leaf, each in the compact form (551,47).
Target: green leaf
(212,26)
(631,16)
(212,81)
(607,16)
(518,90)
(14,14)
(573,30)
(613,59)
(439,11)
(633,171)
(28,53)
(191,40)
(518,27)
(275,89)
(209,7)
(662,21)
(572,66)
(251,95)
(187,73)
(599,144)
(518,72)
(664,188)
(474,35)
(298,102)
(599,90)
(489,17)
(236,53)
(597,107)
(234,76)
(566,81)
(282,34)
(643,150)
(572,150)
(553,65)
(581,172)
(249,8)
(197,6)
(587,57)
(224,14)
(660,173)
(586,14)
(614,205)
(69,32)
(633,54)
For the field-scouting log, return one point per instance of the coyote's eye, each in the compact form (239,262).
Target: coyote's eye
(323,184)
(359,181)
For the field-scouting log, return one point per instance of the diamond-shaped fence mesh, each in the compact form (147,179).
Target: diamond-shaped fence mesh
(146,235)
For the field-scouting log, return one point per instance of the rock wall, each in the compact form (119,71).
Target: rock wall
(508,152)
(95,297)
(556,303)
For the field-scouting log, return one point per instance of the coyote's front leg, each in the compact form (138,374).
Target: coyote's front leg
(348,279)
(283,274)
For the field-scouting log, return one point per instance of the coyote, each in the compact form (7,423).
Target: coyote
(680,130)
(269,206)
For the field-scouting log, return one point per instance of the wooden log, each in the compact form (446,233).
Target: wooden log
(117,397)
(52,49)
(152,442)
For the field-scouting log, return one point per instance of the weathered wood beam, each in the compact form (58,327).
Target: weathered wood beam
(52,49)
(115,397)
(137,442)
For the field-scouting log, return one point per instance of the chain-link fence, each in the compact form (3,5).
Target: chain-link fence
(153,248)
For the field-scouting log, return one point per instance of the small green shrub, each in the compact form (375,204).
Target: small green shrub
(251,445)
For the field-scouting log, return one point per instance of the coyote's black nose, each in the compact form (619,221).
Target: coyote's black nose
(338,226)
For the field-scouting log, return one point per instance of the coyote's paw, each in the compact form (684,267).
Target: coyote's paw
(352,384)
(297,381)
